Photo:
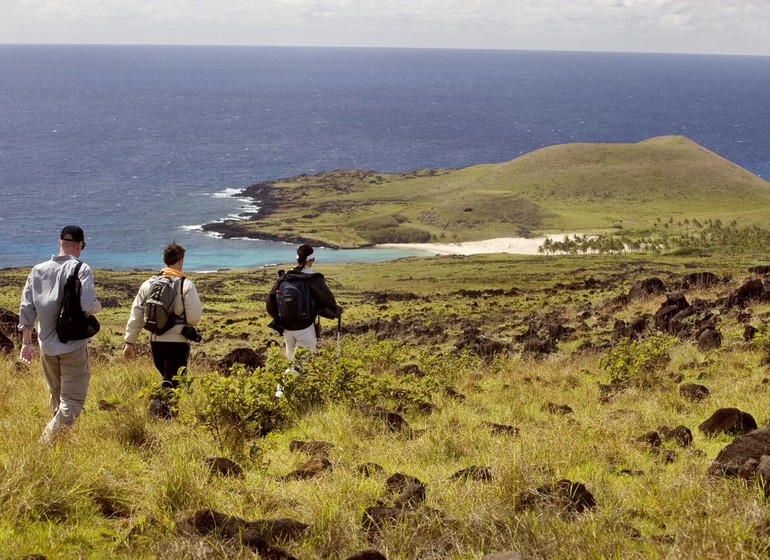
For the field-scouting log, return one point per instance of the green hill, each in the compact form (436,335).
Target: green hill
(565,188)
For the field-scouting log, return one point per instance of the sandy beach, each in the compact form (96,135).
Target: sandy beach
(513,245)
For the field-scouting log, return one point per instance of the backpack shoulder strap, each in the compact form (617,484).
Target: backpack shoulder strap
(75,276)
(181,295)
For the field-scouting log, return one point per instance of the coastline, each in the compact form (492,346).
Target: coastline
(511,245)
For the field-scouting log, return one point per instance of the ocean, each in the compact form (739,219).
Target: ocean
(141,145)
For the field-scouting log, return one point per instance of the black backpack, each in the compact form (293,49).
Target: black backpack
(73,323)
(294,300)
(159,314)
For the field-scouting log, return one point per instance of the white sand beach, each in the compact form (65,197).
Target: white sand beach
(513,245)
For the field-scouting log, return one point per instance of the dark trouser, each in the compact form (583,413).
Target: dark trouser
(169,357)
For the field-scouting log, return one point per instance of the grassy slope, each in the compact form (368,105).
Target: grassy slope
(570,188)
(51,500)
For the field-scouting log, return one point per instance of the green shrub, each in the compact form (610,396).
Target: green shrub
(401,234)
(241,406)
(638,362)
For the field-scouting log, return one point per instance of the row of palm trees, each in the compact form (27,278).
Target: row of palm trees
(668,236)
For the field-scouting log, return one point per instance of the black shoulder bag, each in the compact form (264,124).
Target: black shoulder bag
(73,323)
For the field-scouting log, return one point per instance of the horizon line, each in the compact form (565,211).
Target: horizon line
(370,47)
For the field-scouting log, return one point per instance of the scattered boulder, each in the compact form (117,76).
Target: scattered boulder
(9,325)
(538,346)
(501,429)
(413,495)
(257,535)
(394,422)
(249,357)
(554,408)
(749,332)
(748,469)
(377,517)
(558,331)
(700,280)
(681,435)
(757,471)
(669,314)
(760,270)
(369,554)
(729,421)
(315,448)
(667,456)
(763,474)
(409,493)
(103,404)
(651,439)
(481,345)
(731,458)
(475,472)
(709,339)
(398,482)
(224,467)
(633,329)
(693,392)
(310,469)
(369,469)
(112,507)
(6,344)
(453,393)
(609,390)
(750,290)
(645,288)
(572,497)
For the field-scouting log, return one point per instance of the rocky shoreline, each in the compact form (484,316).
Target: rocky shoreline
(259,193)
(262,197)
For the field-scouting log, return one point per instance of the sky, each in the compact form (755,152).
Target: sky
(674,26)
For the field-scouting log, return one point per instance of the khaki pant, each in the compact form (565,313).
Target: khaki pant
(67,376)
(305,339)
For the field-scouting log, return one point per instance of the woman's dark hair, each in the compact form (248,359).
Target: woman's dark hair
(173,253)
(303,252)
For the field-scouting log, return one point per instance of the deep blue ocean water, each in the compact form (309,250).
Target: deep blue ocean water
(140,145)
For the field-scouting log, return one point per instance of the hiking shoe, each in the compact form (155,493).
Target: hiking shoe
(160,409)
(279,391)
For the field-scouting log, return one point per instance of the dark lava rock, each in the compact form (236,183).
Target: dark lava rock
(750,446)
(569,496)
(729,421)
(224,467)
(393,421)
(693,392)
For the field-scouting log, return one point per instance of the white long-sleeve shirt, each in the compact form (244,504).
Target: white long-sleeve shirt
(188,306)
(41,301)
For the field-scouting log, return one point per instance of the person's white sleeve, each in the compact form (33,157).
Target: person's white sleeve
(192,304)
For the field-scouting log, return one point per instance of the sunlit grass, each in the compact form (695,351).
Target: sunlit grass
(121,484)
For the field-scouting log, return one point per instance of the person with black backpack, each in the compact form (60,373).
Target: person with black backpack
(296,299)
(168,307)
(65,362)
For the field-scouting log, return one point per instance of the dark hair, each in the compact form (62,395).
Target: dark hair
(173,253)
(303,252)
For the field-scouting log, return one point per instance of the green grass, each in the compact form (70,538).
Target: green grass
(120,484)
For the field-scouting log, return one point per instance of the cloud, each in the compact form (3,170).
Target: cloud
(461,23)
